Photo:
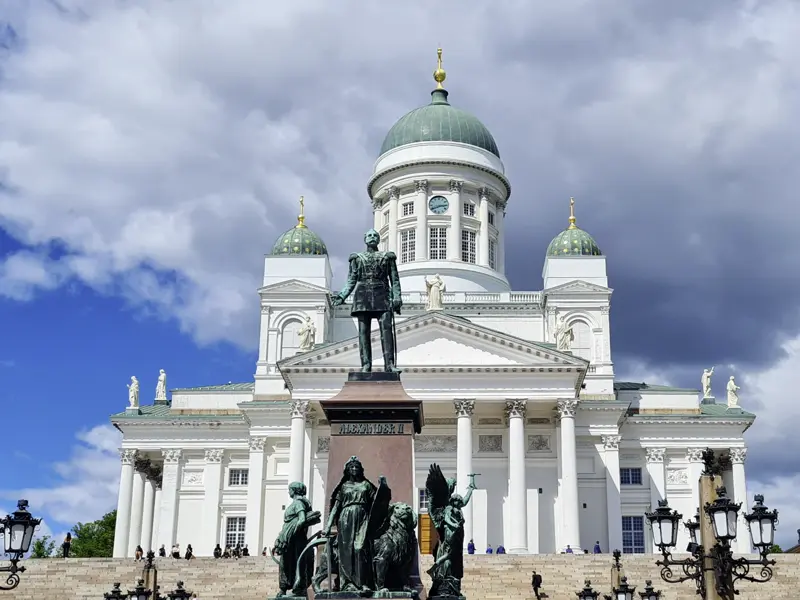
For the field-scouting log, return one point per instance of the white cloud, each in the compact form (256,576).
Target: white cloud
(87,483)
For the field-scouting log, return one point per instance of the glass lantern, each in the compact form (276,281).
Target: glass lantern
(664,524)
(624,591)
(724,516)
(587,593)
(179,593)
(693,527)
(115,594)
(18,530)
(649,593)
(140,593)
(761,523)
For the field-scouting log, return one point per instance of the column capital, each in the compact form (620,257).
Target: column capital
(257,444)
(516,408)
(265,310)
(655,455)
(604,310)
(214,455)
(484,193)
(392,193)
(421,185)
(377,203)
(455,185)
(127,456)
(299,409)
(611,442)
(464,408)
(738,455)
(171,455)
(694,455)
(567,408)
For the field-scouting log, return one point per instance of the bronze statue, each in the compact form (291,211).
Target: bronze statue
(375,283)
(445,508)
(396,550)
(296,566)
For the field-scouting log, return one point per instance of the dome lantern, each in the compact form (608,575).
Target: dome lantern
(573,241)
(299,240)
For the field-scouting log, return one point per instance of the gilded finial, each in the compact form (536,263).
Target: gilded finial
(572,214)
(301,218)
(439,74)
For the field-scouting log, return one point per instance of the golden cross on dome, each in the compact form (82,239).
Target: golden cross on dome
(301,218)
(572,214)
(439,75)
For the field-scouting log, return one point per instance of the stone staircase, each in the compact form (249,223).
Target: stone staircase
(486,577)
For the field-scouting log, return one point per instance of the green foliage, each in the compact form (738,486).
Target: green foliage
(43,547)
(95,539)
(775,549)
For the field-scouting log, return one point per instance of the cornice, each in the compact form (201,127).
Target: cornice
(453,163)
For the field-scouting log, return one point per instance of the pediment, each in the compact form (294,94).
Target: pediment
(579,287)
(435,340)
(292,286)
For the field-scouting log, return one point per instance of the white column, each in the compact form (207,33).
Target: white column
(147,513)
(483,241)
(694,456)
(212,484)
(557,512)
(464,411)
(738,456)
(156,514)
(570,513)
(421,212)
(613,498)
(263,337)
(377,214)
(517,487)
(297,441)
(658,481)
(393,200)
(122,528)
(499,223)
(137,505)
(170,482)
(456,208)
(255,493)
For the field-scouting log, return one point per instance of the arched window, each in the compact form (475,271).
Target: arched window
(582,344)
(290,340)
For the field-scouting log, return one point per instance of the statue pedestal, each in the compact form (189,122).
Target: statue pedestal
(708,400)
(351,595)
(374,419)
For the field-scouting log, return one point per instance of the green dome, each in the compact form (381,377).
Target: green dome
(573,242)
(299,240)
(439,122)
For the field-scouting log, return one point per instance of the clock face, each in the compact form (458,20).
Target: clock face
(438,205)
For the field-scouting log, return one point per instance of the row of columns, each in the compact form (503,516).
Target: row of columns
(140,494)
(515,410)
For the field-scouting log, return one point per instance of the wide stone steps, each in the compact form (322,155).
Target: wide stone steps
(486,577)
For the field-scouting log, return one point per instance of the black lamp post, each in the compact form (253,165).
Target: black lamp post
(116,593)
(143,593)
(624,591)
(726,569)
(693,527)
(587,593)
(17,530)
(179,593)
(140,592)
(649,593)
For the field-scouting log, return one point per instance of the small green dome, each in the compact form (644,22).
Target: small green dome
(439,122)
(299,240)
(573,241)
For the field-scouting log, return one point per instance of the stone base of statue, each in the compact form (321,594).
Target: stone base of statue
(348,595)
(709,400)
(373,418)
(447,598)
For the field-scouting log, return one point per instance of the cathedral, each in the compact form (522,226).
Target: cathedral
(518,387)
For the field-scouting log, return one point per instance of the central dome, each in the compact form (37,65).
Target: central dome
(439,122)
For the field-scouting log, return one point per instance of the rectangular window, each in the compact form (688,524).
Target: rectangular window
(423,501)
(408,209)
(492,254)
(386,217)
(630,476)
(633,535)
(438,243)
(408,242)
(238,476)
(491,218)
(469,209)
(468,246)
(234,531)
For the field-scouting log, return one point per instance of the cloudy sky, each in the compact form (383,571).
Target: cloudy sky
(151,151)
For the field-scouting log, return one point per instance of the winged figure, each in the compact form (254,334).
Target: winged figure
(445,509)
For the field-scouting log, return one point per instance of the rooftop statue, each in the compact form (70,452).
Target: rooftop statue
(733,393)
(133,392)
(706,381)
(375,284)
(436,289)
(161,386)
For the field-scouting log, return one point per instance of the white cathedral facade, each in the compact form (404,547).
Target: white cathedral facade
(517,386)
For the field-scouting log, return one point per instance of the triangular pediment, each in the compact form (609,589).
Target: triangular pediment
(437,339)
(578,287)
(292,286)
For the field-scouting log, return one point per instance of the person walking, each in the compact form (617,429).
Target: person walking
(66,545)
(536,583)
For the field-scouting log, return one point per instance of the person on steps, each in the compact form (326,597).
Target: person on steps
(536,584)
(66,545)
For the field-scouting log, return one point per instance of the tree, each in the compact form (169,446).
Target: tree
(43,547)
(95,539)
(775,549)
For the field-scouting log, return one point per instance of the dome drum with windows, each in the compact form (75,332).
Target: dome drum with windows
(299,240)
(573,241)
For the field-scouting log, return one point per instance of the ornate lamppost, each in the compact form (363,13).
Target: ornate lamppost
(714,558)
(141,592)
(587,593)
(17,530)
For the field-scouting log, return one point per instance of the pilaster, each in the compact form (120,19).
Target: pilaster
(421,212)
(658,482)
(456,208)
(500,225)
(393,201)
(694,456)
(255,493)
(170,482)
(613,497)
(483,241)
(212,482)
